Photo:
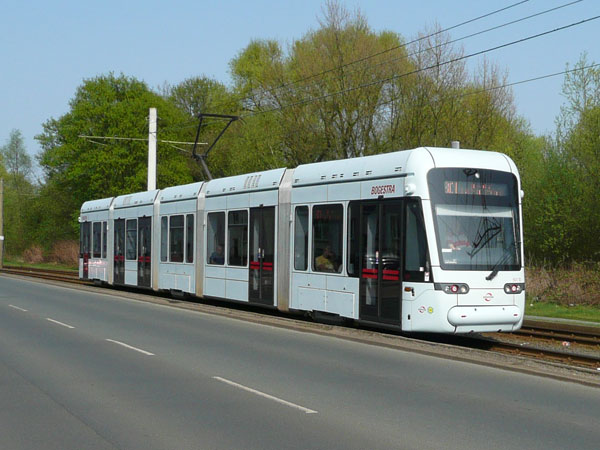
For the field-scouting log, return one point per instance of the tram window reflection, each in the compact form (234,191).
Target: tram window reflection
(164,234)
(176,238)
(189,238)
(327,235)
(301,238)
(215,238)
(131,240)
(96,239)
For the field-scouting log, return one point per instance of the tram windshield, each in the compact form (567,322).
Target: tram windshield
(476,217)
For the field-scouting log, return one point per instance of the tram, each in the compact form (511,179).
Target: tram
(423,240)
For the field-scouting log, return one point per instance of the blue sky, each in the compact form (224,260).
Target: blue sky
(48,48)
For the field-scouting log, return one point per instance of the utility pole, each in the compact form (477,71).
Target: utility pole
(1,222)
(152,150)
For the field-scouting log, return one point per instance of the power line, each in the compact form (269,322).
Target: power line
(394,77)
(395,47)
(512,22)
(389,61)
(117,138)
(506,85)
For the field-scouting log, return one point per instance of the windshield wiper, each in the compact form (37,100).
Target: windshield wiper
(478,245)
(501,261)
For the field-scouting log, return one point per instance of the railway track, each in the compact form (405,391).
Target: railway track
(69,276)
(571,355)
(570,344)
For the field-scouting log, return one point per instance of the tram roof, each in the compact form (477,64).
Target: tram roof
(137,199)
(393,164)
(96,205)
(450,157)
(258,181)
(383,165)
(184,192)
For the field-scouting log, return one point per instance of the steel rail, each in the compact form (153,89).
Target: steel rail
(547,354)
(561,331)
(46,274)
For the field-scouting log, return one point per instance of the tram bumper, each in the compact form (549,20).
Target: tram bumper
(494,317)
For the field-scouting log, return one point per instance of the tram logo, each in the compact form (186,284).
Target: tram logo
(383,189)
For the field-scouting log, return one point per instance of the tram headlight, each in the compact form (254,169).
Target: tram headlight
(452,288)
(514,288)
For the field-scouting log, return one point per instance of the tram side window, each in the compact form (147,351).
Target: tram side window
(176,238)
(96,239)
(353,242)
(215,238)
(131,240)
(416,258)
(104,238)
(84,243)
(327,235)
(301,238)
(164,236)
(189,238)
(237,230)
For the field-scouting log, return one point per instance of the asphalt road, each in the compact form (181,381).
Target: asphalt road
(97,371)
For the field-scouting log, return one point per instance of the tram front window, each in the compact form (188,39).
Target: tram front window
(476,219)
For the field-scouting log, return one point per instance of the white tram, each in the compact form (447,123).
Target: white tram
(422,240)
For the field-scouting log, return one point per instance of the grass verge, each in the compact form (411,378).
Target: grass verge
(50,266)
(554,310)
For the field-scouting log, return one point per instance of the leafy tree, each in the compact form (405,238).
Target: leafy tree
(18,192)
(321,112)
(564,218)
(334,99)
(78,169)
(110,106)
(201,95)
(204,95)
(15,158)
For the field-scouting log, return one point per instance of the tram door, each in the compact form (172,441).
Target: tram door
(144,251)
(85,248)
(262,255)
(119,246)
(380,250)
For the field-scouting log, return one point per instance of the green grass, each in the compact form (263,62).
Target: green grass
(16,263)
(547,309)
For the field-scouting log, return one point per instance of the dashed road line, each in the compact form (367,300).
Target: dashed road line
(130,347)
(59,323)
(17,307)
(267,396)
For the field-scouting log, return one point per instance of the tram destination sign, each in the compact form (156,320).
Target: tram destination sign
(474,188)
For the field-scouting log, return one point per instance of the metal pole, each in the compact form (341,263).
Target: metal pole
(152,150)
(1,222)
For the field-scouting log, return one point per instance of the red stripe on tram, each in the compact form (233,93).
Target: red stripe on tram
(369,273)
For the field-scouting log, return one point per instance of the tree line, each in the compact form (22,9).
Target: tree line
(323,97)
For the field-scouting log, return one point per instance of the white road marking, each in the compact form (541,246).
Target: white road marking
(131,348)
(270,397)
(59,323)
(16,307)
